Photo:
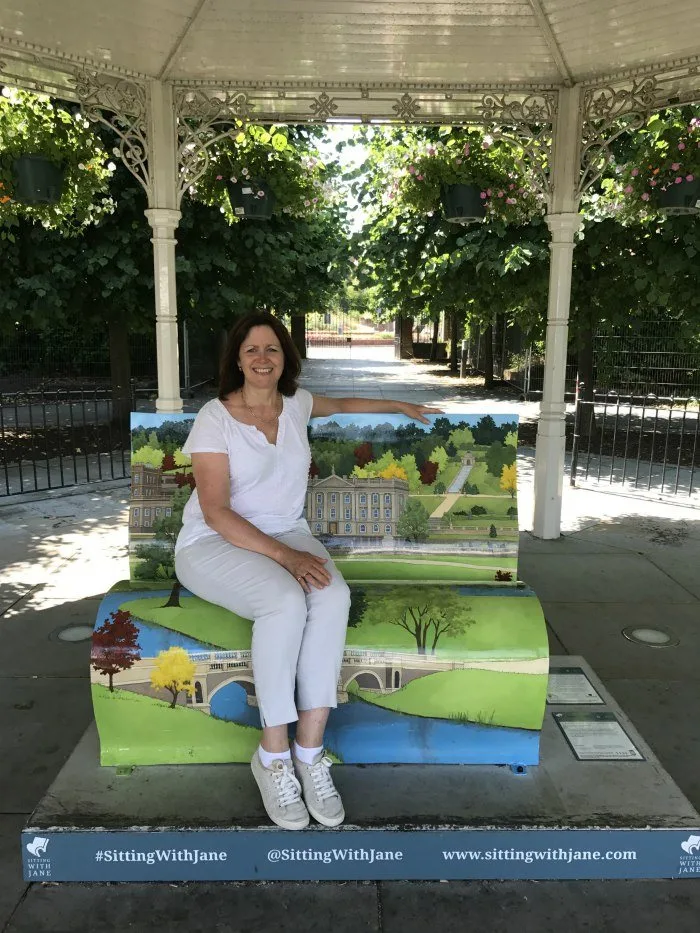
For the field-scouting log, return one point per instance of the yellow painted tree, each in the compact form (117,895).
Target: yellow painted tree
(174,672)
(509,481)
(394,471)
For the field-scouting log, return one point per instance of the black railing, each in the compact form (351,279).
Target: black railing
(643,443)
(50,440)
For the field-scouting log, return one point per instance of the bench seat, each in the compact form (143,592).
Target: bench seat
(446,658)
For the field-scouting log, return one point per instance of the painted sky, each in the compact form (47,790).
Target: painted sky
(148,420)
(371,421)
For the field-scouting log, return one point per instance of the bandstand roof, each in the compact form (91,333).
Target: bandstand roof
(493,43)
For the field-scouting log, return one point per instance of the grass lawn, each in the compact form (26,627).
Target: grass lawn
(429,503)
(488,697)
(396,569)
(201,620)
(141,730)
(488,484)
(494,563)
(495,505)
(448,474)
(505,627)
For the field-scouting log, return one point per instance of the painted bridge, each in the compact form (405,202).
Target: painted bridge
(377,671)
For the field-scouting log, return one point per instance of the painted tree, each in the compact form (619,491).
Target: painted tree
(428,473)
(393,471)
(462,438)
(438,455)
(158,556)
(149,456)
(427,613)
(413,523)
(499,455)
(115,645)
(509,480)
(174,672)
(363,454)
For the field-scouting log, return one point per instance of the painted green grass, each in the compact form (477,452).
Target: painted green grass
(429,503)
(492,698)
(509,627)
(493,563)
(488,484)
(497,505)
(141,730)
(353,569)
(201,620)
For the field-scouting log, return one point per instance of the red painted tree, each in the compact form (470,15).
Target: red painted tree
(363,454)
(115,645)
(168,463)
(185,479)
(313,470)
(428,472)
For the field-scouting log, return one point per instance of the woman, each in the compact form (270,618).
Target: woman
(245,546)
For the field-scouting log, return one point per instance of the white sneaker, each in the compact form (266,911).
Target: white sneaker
(320,793)
(280,792)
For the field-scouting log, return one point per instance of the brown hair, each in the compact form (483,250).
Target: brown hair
(231,377)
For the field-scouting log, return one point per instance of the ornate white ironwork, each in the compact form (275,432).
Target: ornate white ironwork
(323,107)
(406,108)
(122,106)
(606,114)
(527,124)
(202,121)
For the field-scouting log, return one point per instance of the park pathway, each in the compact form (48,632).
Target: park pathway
(460,479)
(446,504)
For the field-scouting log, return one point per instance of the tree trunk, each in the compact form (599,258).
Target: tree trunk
(456,326)
(298,332)
(434,341)
(404,337)
(174,598)
(111,682)
(120,373)
(487,338)
(174,693)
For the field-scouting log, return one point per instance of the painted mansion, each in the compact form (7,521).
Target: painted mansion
(152,492)
(339,505)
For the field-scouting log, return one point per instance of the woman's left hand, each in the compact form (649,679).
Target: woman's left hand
(418,412)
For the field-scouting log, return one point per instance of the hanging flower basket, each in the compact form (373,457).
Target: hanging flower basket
(463,204)
(38,180)
(681,198)
(251,200)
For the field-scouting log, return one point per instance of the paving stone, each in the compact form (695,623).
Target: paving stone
(350,907)
(13,885)
(29,643)
(542,907)
(41,720)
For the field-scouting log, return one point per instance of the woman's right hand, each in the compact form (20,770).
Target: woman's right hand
(307,569)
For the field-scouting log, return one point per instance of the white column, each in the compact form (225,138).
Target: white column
(163,216)
(563,221)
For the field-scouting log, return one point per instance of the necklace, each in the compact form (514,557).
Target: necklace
(257,417)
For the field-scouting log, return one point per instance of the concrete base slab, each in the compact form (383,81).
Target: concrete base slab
(403,818)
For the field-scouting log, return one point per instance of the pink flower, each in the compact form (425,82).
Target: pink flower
(628,189)
(219,177)
(466,149)
(521,191)
(431,151)
(500,194)
(679,180)
(681,145)
(412,169)
(653,183)
(483,195)
(458,161)
(690,177)
(645,196)
(307,203)
(510,187)
(635,172)
(419,177)
(391,195)
(675,166)
(261,193)
(486,144)
(510,201)
(488,192)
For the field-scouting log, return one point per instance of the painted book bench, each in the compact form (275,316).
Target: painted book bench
(446,658)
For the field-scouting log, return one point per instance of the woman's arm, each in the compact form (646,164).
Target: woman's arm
(211,473)
(349,406)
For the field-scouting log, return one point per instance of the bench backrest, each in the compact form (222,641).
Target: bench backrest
(391,499)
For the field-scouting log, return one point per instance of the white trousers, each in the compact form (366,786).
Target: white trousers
(298,638)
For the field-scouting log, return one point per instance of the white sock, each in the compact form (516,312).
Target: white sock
(306,755)
(266,758)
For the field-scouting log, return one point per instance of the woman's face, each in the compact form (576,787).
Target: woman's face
(261,358)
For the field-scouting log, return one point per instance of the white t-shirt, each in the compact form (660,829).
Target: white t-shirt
(268,481)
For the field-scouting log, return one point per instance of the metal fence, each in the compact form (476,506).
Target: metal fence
(646,445)
(69,437)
